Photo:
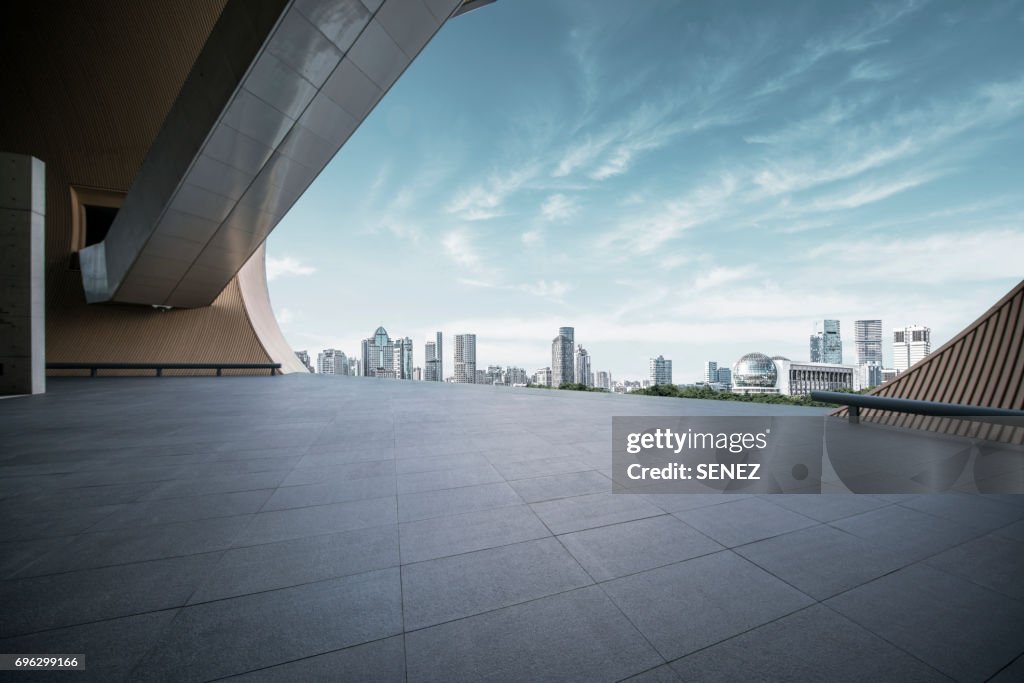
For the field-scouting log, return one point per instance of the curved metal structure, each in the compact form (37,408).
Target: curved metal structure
(209,118)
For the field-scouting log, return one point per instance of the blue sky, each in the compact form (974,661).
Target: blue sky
(697,180)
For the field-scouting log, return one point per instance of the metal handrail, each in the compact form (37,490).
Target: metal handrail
(907,405)
(92,367)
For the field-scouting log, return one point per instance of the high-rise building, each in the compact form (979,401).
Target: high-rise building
(583,367)
(868,375)
(826,343)
(661,371)
(303,357)
(379,355)
(417,374)
(433,363)
(725,376)
(402,358)
(513,376)
(493,375)
(332,362)
(710,372)
(909,345)
(430,362)
(325,361)
(604,380)
(542,377)
(562,367)
(867,337)
(440,355)
(465,358)
(481,377)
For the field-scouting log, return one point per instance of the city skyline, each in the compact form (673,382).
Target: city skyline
(565,351)
(557,189)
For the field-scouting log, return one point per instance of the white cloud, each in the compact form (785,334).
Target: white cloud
(286,266)
(285,316)
(581,154)
(938,259)
(553,290)
(721,276)
(868,193)
(869,70)
(486,200)
(559,207)
(532,238)
(459,247)
(644,233)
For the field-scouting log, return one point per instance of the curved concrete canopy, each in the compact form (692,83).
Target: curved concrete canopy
(276,91)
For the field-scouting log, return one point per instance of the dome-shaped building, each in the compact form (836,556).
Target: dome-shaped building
(779,358)
(755,373)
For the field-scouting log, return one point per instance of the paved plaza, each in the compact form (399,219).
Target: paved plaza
(303,528)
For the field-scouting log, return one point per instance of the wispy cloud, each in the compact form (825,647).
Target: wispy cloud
(287,266)
(868,193)
(717,277)
(486,200)
(944,258)
(870,70)
(858,34)
(559,207)
(553,290)
(642,234)
(532,238)
(460,248)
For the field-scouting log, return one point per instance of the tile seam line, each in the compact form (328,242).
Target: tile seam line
(205,552)
(604,592)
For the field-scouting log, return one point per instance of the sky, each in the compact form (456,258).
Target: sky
(696,180)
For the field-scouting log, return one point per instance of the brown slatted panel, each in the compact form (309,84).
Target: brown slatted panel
(980,366)
(1004,390)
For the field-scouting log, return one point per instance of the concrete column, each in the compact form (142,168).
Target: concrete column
(22,300)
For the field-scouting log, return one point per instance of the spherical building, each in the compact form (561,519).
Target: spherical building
(755,373)
(779,358)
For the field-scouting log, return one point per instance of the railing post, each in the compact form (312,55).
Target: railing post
(159,372)
(92,372)
(218,371)
(854,412)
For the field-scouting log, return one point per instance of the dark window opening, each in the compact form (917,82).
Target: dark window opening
(98,220)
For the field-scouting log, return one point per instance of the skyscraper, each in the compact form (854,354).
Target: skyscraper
(867,337)
(661,370)
(331,362)
(465,358)
(909,345)
(826,344)
(542,377)
(403,358)
(439,356)
(583,367)
(604,380)
(710,372)
(430,363)
(379,355)
(562,369)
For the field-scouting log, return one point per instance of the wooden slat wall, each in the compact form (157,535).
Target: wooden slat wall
(86,87)
(982,366)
